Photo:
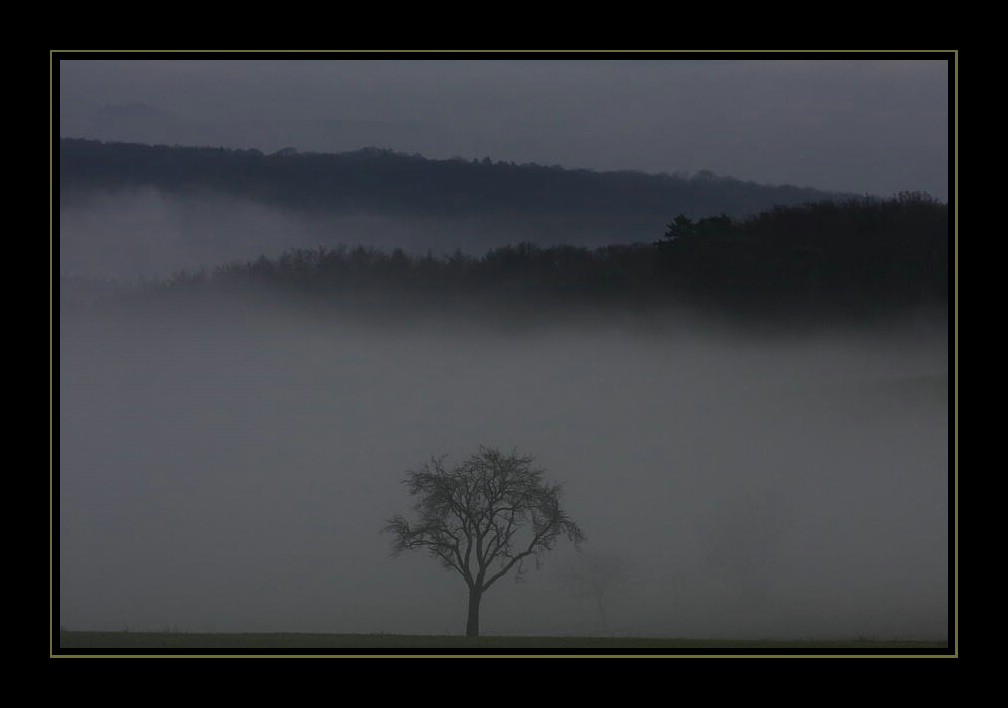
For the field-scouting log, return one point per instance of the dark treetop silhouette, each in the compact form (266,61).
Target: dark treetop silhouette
(482,518)
(825,263)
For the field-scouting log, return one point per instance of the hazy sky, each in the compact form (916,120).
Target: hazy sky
(856,125)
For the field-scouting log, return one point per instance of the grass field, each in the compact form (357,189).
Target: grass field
(362,643)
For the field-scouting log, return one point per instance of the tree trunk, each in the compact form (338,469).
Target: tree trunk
(472,620)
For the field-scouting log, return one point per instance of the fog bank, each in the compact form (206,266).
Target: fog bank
(238,480)
(149,233)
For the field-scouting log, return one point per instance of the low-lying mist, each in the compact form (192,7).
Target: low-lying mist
(236,479)
(150,233)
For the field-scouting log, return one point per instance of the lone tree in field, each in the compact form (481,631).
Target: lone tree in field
(482,518)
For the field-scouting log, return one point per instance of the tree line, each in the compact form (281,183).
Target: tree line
(858,258)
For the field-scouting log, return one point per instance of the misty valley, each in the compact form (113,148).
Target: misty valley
(749,411)
(238,480)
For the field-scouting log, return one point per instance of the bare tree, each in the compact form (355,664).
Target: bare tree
(596,578)
(482,518)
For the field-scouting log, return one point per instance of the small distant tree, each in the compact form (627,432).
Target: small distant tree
(482,518)
(596,578)
(680,227)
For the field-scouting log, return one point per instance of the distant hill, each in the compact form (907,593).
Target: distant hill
(535,202)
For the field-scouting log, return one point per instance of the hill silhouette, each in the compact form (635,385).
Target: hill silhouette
(544,204)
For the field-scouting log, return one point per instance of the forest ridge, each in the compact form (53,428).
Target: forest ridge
(373,180)
(825,261)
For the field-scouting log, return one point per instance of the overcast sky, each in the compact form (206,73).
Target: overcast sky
(860,125)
